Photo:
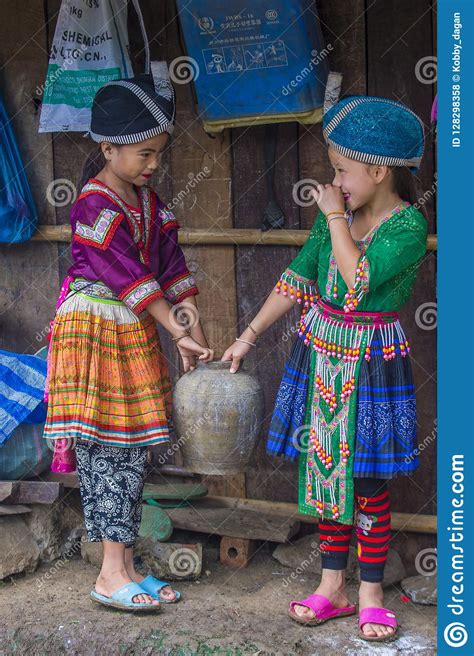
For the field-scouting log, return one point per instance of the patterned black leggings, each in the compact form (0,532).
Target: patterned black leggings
(372,529)
(111,484)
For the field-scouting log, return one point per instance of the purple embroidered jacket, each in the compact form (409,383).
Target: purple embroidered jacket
(139,260)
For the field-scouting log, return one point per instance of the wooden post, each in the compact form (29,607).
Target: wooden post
(201,171)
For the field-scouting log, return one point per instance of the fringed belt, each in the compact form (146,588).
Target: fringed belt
(335,333)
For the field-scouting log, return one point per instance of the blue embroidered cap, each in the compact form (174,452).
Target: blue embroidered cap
(375,130)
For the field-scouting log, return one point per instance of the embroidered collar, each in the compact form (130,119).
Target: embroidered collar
(141,231)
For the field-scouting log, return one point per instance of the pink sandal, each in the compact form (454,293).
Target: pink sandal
(378,616)
(321,607)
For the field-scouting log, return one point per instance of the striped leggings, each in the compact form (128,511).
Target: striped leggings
(372,529)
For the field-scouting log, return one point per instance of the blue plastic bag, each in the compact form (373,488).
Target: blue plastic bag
(18,217)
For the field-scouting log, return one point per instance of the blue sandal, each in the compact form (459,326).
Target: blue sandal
(122,599)
(152,586)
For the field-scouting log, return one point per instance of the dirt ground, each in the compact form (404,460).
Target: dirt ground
(225,613)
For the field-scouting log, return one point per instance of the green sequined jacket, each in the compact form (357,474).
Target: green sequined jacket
(390,257)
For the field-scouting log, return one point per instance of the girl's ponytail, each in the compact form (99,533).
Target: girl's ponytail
(93,163)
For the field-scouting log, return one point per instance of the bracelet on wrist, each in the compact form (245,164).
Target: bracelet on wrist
(334,218)
(244,341)
(186,334)
(252,329)
(338,212)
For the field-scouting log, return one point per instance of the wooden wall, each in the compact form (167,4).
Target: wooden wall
(376,46)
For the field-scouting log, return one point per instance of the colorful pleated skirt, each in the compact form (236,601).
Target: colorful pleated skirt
(107,376)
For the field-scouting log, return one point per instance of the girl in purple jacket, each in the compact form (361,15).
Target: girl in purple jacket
(108,384)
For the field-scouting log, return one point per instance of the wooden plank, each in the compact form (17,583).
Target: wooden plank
(417,523)
(13,510)
(237,523)
(28,272)
(174,490)
(9,490)
(39,492)
(257,270)
(343,27)
(301,153)
(155,19)
(229,237)
(31,491)
(67,480)
(195,155)
(400,35)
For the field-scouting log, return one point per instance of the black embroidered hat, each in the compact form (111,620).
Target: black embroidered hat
(131,110)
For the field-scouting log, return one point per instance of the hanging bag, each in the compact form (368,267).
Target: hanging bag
(90,48)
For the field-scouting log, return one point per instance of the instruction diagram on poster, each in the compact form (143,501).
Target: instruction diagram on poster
(232,59)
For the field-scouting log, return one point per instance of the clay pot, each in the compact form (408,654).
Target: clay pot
(217,416)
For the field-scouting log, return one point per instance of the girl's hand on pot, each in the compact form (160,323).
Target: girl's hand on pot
(189,349)
(329,198)
(236,352)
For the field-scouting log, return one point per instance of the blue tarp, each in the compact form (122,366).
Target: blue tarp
(22,383)
(18,217)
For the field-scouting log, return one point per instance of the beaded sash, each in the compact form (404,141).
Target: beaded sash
(340,342)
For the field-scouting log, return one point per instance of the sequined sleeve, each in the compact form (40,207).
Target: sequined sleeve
(392,258)
(298,281)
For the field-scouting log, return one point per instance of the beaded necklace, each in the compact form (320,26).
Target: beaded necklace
(363,244)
